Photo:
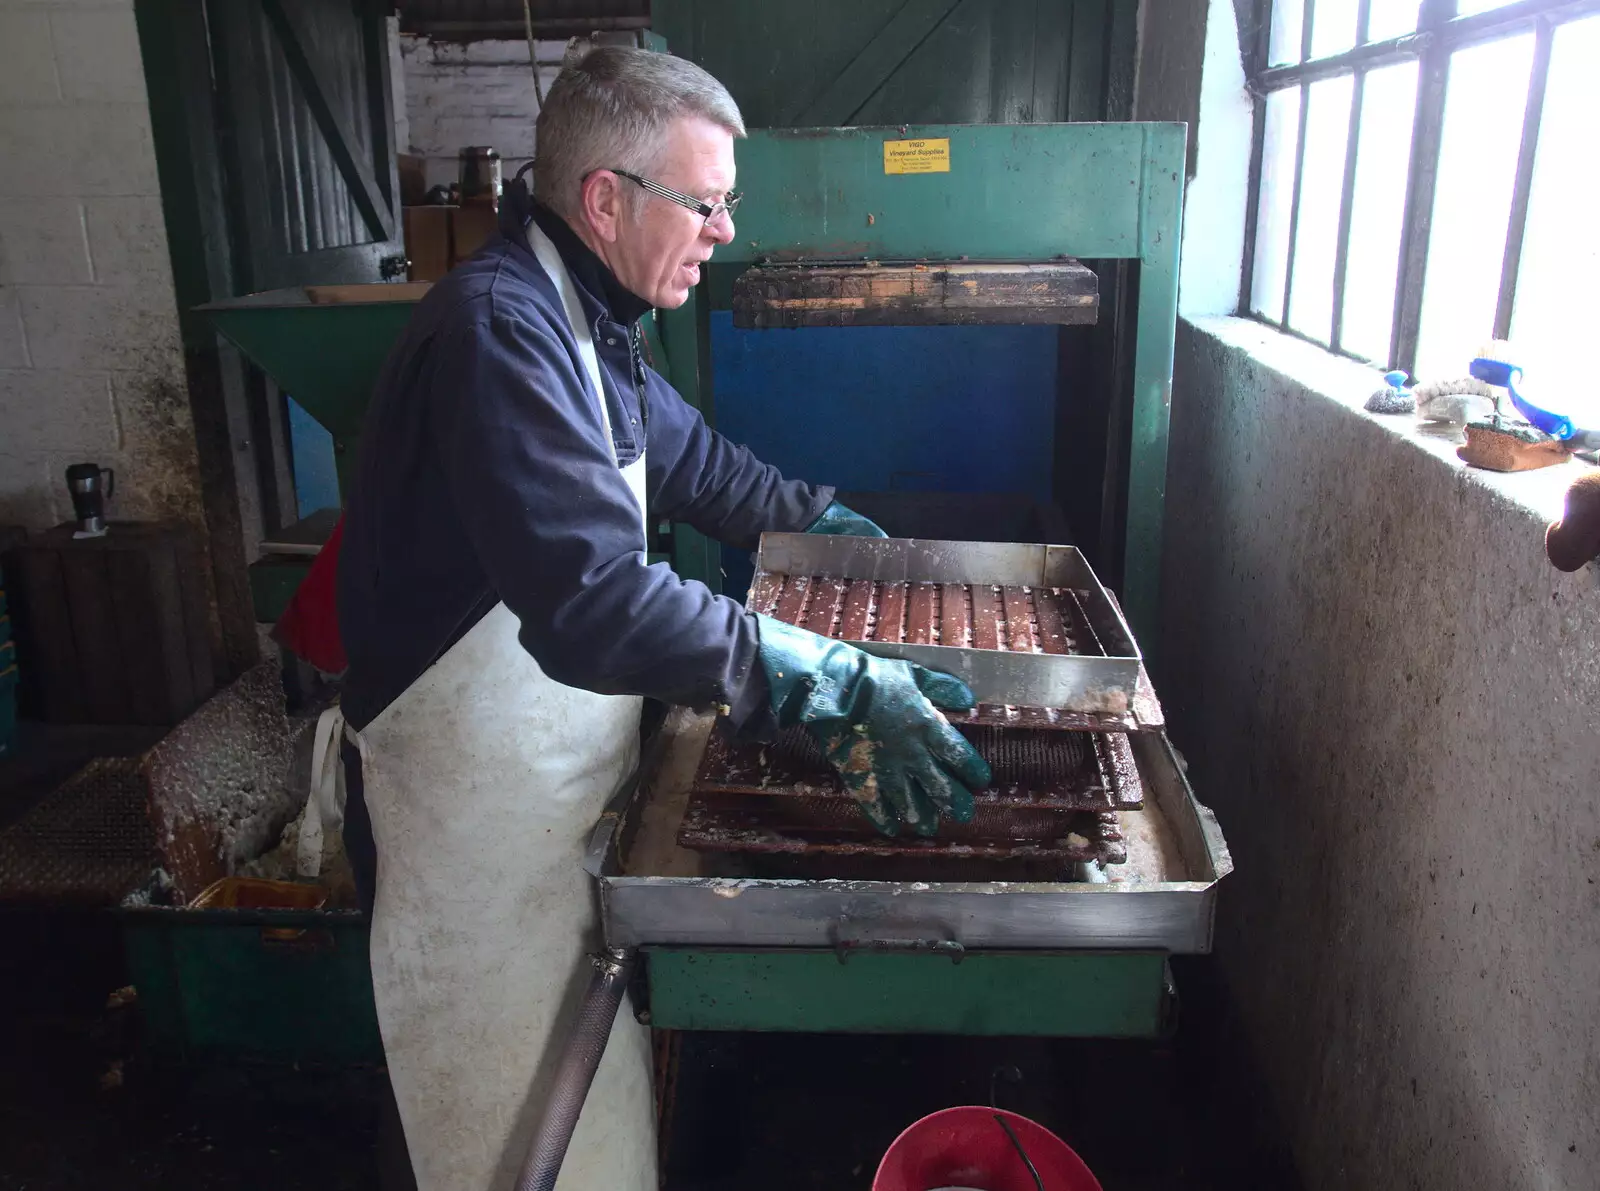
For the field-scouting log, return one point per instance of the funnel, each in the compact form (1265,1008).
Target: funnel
(323,345)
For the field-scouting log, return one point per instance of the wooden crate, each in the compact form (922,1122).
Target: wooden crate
(427,232)
(113,630)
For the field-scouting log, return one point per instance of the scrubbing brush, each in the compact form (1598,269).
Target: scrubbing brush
(1494,368)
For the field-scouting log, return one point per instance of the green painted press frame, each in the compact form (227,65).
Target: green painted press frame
(1017,193)
(1042,994)
(1013,192)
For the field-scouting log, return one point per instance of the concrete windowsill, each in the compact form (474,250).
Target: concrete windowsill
(1538,496)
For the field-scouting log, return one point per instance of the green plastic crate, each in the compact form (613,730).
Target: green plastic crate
(286,986)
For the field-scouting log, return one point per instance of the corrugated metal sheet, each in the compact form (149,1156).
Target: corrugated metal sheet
(469,19)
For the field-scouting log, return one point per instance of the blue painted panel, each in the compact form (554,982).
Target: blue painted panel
(890,409)
(881,409)
(316,485)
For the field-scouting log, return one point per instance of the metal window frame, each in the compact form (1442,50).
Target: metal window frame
(1440,33)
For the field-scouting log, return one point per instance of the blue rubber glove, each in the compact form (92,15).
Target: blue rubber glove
(846,523)
(877,723)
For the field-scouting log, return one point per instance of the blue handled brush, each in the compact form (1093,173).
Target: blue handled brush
(1505,375)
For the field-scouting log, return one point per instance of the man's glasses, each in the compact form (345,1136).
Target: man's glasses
(707,211)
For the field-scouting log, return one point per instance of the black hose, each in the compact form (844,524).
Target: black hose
(580,1058)
(1017,1142)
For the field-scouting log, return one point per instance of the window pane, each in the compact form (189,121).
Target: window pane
(1558,304)
(1333,27)
(1282,134)
(1467,8)
(1317,234)
(1391,18)
(1288,18)
(1377,209)
(1483,110)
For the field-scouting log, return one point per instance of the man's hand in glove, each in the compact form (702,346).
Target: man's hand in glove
(844,522)
(877,721)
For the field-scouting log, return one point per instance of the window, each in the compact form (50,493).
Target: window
(1428,178)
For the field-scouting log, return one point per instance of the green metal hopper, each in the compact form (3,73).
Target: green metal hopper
(321,344)
(324,346)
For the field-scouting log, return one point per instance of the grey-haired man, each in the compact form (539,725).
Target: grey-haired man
(502,621)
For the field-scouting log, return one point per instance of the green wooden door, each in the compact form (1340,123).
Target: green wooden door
(303,87)
(274,137)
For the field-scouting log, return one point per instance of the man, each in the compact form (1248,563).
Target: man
(501,622)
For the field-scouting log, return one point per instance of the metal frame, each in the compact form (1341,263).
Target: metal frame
(1440,32)
(947,918)
(1077,681)
(1075,958)
(1013,193)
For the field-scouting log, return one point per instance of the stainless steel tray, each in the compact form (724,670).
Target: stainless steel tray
(1167,910)
(1101,675)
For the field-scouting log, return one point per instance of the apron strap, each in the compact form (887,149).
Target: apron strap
(325,804)
(550,259)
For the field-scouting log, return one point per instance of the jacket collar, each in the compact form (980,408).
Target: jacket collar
(602,295)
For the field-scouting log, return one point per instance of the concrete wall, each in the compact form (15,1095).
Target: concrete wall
(1190,69)
(1393,703)
(472,93)
(90,365)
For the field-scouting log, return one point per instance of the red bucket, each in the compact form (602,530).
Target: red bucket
(968,1148)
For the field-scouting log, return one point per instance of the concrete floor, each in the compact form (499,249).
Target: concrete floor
(61,1130)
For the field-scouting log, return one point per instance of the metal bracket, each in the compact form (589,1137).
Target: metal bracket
(613,961)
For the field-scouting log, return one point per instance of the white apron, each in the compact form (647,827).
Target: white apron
(483,782)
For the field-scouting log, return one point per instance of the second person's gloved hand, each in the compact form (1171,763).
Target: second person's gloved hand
(877,721)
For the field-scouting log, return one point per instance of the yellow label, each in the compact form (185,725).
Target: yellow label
(917,157)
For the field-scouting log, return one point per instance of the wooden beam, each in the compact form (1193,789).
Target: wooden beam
(870,69)
(373,204)
(935,294)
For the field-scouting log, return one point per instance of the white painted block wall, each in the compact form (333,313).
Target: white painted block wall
(91,368)
(473,93)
